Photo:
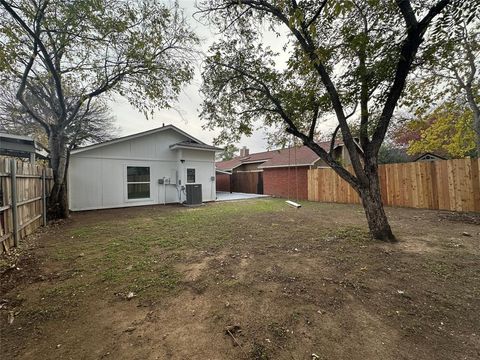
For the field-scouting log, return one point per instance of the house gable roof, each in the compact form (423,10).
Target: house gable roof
(137,135)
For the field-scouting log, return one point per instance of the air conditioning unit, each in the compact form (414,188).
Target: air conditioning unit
(194,194)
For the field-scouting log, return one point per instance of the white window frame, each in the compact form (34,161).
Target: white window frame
(186,175)
(137,182)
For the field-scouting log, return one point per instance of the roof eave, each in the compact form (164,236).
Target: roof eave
(254,161)
(17,137)
(175,146)
(284,166)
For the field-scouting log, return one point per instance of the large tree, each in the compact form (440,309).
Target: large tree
(95,125)
(339,54)
(65,54)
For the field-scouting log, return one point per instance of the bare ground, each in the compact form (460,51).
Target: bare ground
(244,280)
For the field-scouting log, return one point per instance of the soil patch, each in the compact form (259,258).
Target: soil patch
(244,280)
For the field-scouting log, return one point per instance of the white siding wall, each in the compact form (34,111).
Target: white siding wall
(97,177)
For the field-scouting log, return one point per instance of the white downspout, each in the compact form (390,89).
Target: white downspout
(164,191)
(214,182)
(179,183)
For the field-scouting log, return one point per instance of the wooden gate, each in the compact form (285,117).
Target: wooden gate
(223,182)
(247,182)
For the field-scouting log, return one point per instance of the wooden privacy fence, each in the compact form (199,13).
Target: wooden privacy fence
(247,182)
(223,182)
(24,190)
(445,185)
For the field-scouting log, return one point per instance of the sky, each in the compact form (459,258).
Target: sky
(185,113)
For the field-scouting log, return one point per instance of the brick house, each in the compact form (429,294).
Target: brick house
(281,172)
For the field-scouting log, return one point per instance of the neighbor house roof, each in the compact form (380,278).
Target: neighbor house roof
(137,135)
(301,156)
(434,154)
(260,157)
(21,146)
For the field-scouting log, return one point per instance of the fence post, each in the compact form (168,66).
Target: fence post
(44,198)
(13,177)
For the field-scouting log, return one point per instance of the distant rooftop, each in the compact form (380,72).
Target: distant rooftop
(294,156)
(20,146)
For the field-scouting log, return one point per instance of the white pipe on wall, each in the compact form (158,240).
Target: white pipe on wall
(164,190)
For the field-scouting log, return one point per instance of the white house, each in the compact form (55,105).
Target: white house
(152,167)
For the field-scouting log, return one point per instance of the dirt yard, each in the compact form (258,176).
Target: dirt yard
(244,280)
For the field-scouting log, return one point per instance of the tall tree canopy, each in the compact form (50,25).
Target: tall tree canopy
(64,54)
(447,129)
(449,75)
(95,125)
(228,153)
(346,58)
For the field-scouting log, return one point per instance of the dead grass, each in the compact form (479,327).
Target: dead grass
(165,282)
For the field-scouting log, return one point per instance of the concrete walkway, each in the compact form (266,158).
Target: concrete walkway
(226,196)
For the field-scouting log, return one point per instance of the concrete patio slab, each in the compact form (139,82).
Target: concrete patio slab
(227,196)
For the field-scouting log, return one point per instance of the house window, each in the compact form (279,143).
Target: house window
(190,176)
(138,182)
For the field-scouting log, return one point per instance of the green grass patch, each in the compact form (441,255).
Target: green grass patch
(351,234)
(139,254)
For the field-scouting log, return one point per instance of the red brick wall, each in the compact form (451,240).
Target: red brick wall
(276,182)
(223,182)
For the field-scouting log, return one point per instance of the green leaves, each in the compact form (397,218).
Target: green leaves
(447,129)
(449,74)
(141,49)
(296,18)
(338,32)
(244,89)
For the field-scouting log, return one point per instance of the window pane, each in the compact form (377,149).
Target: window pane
(190,175)
(138,191)
(138,173)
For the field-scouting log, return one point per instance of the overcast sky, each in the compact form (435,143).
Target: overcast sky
(186,112)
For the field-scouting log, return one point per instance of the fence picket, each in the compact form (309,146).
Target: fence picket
(445,184)
(23,196)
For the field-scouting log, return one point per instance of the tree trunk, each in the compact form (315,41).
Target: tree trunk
(372,204)
(58,199)
(58,202)
(376,217)
(476,127)
(476,116)
(367,185)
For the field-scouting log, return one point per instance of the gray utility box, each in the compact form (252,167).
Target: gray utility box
(194,194)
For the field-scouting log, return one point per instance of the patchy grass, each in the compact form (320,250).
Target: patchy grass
(294,282)
(127,255)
